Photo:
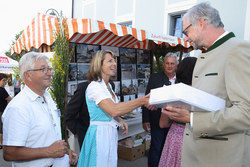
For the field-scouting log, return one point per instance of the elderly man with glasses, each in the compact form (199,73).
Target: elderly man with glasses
(220,138)
(31,122)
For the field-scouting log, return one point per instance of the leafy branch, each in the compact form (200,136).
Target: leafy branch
(60,63)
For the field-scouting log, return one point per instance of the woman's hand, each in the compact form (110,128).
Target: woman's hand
(124,126)
(153,108)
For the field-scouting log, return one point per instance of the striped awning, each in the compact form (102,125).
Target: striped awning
(43,27)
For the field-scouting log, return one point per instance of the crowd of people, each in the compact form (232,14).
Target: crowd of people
(179,137)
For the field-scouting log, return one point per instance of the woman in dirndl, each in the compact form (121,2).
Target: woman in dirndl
(99,147)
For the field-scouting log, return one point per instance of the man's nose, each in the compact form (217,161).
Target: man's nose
(49,72)
(186,39)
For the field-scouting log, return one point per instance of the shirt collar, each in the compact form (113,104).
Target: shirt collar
(172,80)
(32,95)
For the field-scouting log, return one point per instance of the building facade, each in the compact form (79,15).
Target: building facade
(162,16)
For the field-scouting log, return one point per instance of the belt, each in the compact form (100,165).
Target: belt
(112,123)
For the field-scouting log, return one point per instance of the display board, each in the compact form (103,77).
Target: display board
(133,70)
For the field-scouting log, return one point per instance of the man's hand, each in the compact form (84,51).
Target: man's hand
(146,126)
(177,114)
(57,149)
(73,157)
(152,108)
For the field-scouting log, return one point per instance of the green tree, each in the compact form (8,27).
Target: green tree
(15,56)
(60,64)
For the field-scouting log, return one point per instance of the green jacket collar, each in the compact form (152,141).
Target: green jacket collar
(220,41)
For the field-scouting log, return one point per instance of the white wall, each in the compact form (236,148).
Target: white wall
(149,15)
(247,25)
(105,10)
(78,9)
(233,15)
(154,15)
(124,11)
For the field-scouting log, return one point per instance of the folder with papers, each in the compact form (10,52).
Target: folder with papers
(187,97)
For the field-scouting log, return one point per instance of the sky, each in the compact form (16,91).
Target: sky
(16,15)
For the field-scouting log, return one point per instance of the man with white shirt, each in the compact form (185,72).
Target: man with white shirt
(31,121)
(220,138)
(151,118)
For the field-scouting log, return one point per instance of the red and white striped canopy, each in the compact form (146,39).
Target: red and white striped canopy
(43,27)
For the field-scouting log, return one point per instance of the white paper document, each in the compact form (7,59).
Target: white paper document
(62,162)
(187,97)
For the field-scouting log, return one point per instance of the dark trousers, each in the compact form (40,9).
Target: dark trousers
(158,137)
(81,132)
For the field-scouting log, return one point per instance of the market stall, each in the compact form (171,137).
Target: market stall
(7,64)
(131,46)
(88,31)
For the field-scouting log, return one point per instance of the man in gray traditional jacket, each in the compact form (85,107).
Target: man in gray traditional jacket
(221,138)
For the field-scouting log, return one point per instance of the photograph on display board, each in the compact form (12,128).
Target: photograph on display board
(72,72)
(85,53)
(71,47)
(129,98)
(115,50)
(127,56)
(129,87)
(128,71)
(117,88)
(143,57)
(82,71)
(142,85)
(72,87)
(81,48)
(143,71)
(73,59)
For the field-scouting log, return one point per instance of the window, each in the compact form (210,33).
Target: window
(127,24)
(176,25)
(176,28)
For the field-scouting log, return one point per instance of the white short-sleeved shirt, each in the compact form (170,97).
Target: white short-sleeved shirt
(31,122)
(98,91)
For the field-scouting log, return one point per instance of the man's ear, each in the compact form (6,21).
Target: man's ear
(202,23)
(27,76)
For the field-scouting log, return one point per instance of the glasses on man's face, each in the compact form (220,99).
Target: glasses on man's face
(44,69)
(185,30)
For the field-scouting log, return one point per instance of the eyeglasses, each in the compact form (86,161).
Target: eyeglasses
(44,69)
(185,30)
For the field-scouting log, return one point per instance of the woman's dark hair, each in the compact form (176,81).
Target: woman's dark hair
(185,70)
(3,76)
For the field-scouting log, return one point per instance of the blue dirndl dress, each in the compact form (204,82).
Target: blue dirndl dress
(99,148)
